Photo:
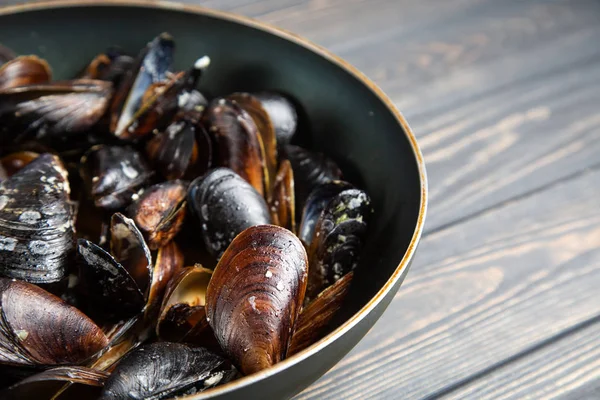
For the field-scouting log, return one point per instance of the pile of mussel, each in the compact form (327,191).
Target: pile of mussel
(155,242)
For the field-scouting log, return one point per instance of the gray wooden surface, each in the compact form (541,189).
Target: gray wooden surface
(503,298)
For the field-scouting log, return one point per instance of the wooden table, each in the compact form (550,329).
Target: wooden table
(503,299)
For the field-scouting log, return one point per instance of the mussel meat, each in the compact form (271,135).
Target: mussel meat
(52,110)
(338,237)
(238,144)
(24,70)
(114,175)
(36,222)
(39,329)
(225,205)
(159,212)
(255,295)
(166,370)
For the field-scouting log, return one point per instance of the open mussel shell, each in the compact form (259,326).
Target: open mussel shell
(169,261)
(113,175)
(151,69)
(310,170)
(52,110)
(255,295)
(108,287)
(6,54)
(316,202)
(24,70)
(282,198)
(225,205)
(39,329)
(159,212)
(338,239)
(13,162)
(36,222)
(183,148)
(282,114)
(238,144)
(253,106)
(184,303)
(46,383)
(315,318)
(165,370)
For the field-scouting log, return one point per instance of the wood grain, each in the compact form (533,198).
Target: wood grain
(568,368)
(479,293)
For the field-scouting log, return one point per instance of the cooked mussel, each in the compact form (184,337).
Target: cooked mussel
(52,110)
(165,370)
(169,261)
(138,86)
(255,295)
(36,222)
(282,114)
(282,203)
(116,284)
(114,175)
(112,67)
(338,237)
(184,303)
(24,70)
(6,54)
(159,212)
(39,329)
(13,162)
(238,144)
(225,205)
(310,170)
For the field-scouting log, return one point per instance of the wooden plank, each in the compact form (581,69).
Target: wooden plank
(480,293)
(566,369)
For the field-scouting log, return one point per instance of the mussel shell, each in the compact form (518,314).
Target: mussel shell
(12,163)
(238,144)
(38,328)
(255,295)
(339,236)
(159,212)
(52,110)
(129,249)
(315,204)
(184,303)
(169,261)
(6,54)
(315,318)
(113,175)
(165,370)
(109,67)
(310,170)
(151,68)
(265,129)
(282,114)
(108,287)
(97,68)
(184,147)
(225,205)
(24,70)
(282,203)
(36,222)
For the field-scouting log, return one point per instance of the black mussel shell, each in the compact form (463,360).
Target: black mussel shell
(315,204)
(150,70)
(36,222)
(282,113)
(282,201)
(165,370)
(24,70)
(237,141)
(310,170)
(52,110)
(159,212)
(108,287)
(6,54)
(114,175)
(39,329)
(184,148)
(338,239)
(225,205)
